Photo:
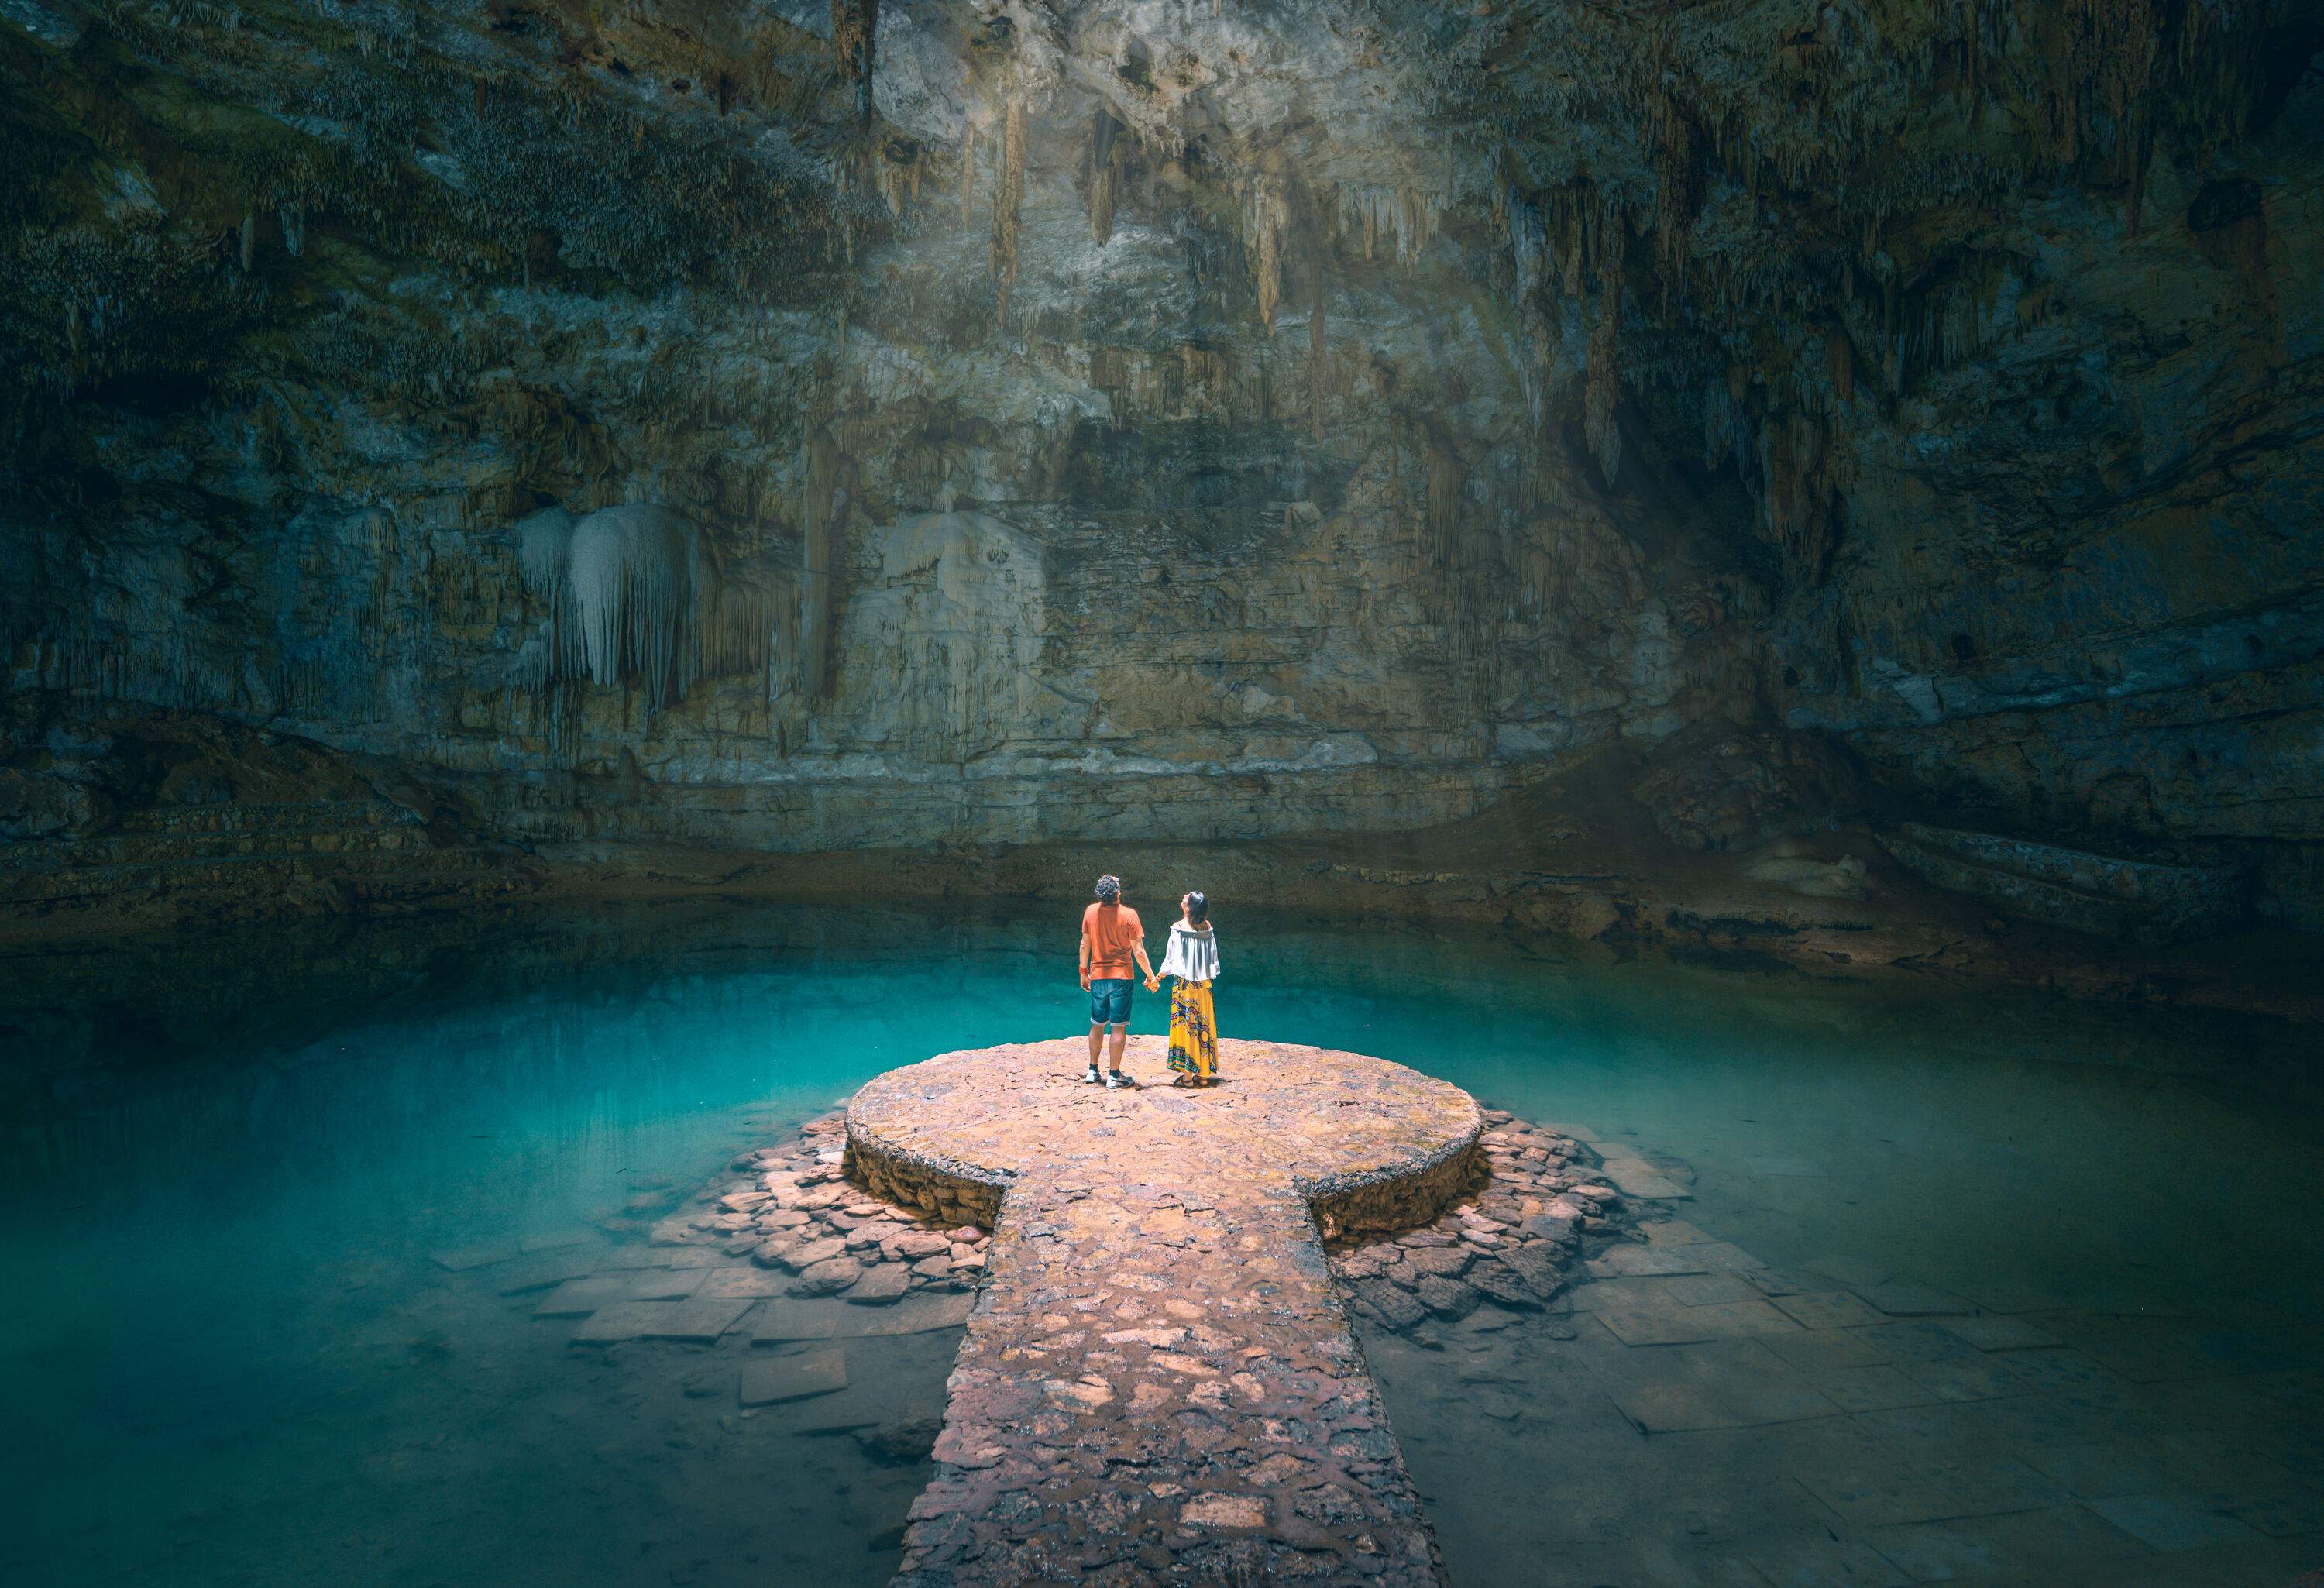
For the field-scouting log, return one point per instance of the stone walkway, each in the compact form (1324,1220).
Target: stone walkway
(1158,1383)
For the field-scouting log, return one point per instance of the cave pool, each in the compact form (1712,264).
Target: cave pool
(231,1351)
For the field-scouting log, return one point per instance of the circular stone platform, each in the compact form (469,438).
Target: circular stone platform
(1373,1145)
(1158,1383)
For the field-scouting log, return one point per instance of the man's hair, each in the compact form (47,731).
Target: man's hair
(1108,888)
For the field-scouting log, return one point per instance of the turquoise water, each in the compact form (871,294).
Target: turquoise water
(230,1356)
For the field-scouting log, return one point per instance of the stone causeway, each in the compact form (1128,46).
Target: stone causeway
(1159,1382)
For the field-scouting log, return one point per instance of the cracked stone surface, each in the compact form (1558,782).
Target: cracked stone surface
(1159,1382)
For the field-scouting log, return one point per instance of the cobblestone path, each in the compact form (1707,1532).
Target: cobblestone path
(1158,1383)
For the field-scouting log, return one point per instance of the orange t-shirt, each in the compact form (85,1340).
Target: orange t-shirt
(1113,931)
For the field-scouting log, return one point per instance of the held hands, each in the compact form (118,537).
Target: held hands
(1154,983)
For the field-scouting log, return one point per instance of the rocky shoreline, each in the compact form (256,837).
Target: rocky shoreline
(181,822)
(1528,1210)
(793,1209)
(1513,1240)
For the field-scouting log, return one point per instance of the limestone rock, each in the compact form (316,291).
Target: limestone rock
(1999,501)
(827,1278)
(881,1286)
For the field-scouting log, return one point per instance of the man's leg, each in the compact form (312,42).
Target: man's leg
(1121,1040)
(1097,1043)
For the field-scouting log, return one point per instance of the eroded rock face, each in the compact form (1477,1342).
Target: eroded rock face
(1199,422)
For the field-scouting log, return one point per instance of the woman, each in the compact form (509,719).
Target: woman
(1193,959)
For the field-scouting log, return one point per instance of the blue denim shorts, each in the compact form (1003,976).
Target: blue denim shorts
(1109,1001)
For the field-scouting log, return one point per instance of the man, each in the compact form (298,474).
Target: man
(1112,940)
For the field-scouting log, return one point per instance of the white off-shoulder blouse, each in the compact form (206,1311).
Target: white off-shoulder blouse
(1192,955)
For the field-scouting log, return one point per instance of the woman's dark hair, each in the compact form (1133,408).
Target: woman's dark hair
(1198,906)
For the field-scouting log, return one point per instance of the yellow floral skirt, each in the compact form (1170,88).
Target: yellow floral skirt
(1194,1033)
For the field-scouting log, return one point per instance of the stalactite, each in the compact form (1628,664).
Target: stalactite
(2109,60)
(1528,242)
(1008,204)
(1972,54)
(1603,388)
(1266,218)
(1318,369)
(1717,424)
(1679,161)
(1104,174)
(634,597)
(1408,217)
(1448,476)
(823,507)
(855,27)
(967,174)
(1839,361)
(899,173)
(1526,218)
(2140,137)
(1795,457)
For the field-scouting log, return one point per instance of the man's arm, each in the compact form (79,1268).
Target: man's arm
(1086,953)
(1138,948)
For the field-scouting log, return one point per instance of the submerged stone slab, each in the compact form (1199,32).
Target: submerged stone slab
(577,1299)
(794,1377)
(834,1318)
(543,1273)
(1158,1383)
(697,1319)
(881,1286)
(459,1259)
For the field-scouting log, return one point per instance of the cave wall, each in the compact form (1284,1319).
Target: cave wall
(2081,580)
(1082,419)
(1132,561)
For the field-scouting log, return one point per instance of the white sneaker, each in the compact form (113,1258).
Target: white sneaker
(1113,1079)
(1089,1075)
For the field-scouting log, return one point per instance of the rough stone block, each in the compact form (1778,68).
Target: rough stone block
(1447,1298)
(881,1286)
(827,1278)
(1398,1308)
(1496,1279)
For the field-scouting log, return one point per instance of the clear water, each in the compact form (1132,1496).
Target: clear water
(226,1355)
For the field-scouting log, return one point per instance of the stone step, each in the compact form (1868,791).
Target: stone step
(2141,900)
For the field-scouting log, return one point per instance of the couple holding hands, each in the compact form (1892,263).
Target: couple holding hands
(1113,940)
